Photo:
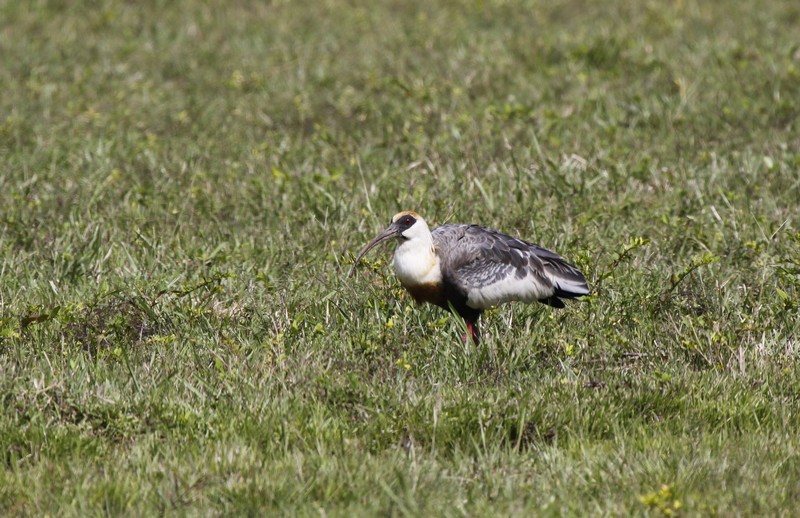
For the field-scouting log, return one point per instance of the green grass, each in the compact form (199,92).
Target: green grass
(184,185)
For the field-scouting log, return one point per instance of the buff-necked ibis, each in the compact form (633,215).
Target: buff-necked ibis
(471,268)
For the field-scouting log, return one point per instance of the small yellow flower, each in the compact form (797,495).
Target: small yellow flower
(236,80)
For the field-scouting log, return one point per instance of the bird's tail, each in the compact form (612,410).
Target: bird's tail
(568,280)
(569,288)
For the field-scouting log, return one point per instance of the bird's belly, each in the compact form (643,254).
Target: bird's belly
(432,293)
(508,289)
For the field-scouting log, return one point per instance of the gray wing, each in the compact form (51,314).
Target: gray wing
(490,268)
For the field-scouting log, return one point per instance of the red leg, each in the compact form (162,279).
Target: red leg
(472,328)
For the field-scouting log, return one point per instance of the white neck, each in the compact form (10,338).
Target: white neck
(415,260)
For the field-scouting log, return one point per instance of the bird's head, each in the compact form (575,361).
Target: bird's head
(405,226)
(409,225)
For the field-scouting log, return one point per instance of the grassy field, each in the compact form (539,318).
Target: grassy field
(184,185)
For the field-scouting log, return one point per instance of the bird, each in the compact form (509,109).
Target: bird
(467,268)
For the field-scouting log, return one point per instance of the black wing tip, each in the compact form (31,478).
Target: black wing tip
(556,302)
(567,294)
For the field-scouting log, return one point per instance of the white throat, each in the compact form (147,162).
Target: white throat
(415,260)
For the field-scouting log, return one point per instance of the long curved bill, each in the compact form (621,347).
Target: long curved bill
(391,232)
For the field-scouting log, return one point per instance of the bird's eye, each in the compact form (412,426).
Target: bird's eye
(407,221)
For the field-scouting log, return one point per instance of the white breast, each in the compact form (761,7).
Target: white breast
(415,263)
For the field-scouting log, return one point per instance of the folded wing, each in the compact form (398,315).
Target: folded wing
(489,268)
